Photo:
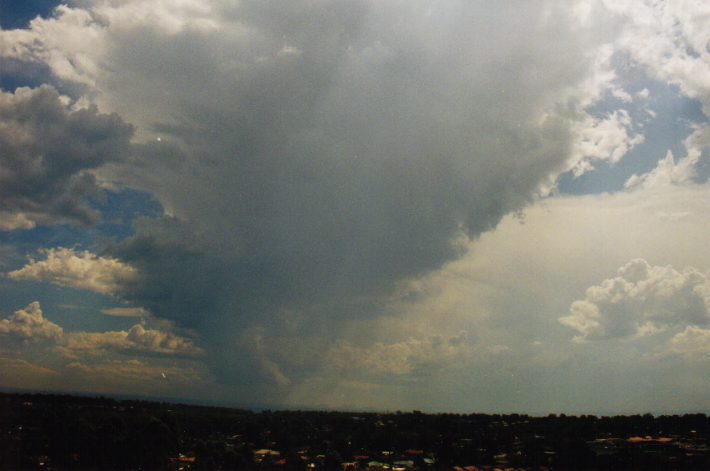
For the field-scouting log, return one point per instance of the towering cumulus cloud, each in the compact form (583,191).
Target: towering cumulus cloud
(28,325)
(312,154)
(642,299)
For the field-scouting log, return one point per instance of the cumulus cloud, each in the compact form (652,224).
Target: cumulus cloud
(669,43)
(670,40)
(80,270)
(692,343)
(136,339)
(49,153)
(603,139)
(64,44)
(667,172)
(691,169)
(697,145)
(641,299)
(28,326)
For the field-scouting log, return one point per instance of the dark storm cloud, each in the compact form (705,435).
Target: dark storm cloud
(47,153)
(326,149)
(331,155)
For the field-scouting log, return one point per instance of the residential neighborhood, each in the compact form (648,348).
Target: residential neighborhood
(60,432)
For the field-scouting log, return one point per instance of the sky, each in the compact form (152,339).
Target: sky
(460,206)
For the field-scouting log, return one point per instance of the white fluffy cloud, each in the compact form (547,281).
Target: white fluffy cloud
(667,172)
(692,343)
(607,139)
(136,339)
(28,325)
(80,270)
(640,299)
(671,171)
(65,44)
(670,39)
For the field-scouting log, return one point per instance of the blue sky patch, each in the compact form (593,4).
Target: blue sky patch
(16,14)
(665,119)
(118,209)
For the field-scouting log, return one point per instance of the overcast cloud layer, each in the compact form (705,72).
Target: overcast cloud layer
(324,167)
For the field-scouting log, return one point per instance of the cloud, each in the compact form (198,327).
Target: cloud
(10,221)
(269,367)
(136,339)
(309,167)
(697,145)
(321,163)
(29,326)
(49,153)
(692,343)
(80,270)
(510,289)
(670,40)
(64,44)
(641,298)
(315,180)
(125,312)
(606,139)
(400,358)
(667,172)
(693,168)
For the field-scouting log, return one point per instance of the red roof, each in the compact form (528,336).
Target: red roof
(649,440)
